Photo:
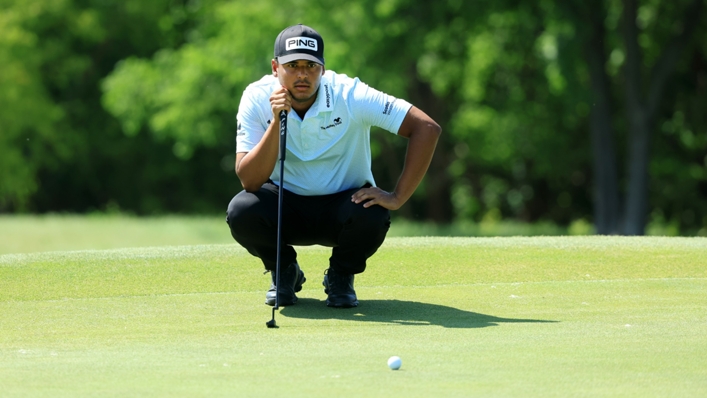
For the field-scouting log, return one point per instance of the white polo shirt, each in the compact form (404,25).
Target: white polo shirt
(330,150)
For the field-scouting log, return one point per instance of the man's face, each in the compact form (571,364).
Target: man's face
(301,78)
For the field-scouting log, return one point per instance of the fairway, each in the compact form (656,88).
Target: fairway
(524,317)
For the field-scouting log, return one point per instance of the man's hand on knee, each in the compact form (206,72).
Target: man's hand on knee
(376,196)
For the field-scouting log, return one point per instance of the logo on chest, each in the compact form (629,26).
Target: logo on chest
(337,122)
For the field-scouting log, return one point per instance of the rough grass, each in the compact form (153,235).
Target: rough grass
(531,317)
(26,234)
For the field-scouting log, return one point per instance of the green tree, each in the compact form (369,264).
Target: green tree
(131,104)
(652,36)
(188,95)
(61,151)
(28,117)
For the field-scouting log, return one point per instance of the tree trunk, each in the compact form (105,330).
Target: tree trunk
(636,205)
(638,135)
(606,186)
(642,108)
(437,180)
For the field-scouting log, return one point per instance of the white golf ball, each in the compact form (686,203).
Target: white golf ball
(395,363)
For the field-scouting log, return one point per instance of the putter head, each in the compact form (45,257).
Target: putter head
(271,323)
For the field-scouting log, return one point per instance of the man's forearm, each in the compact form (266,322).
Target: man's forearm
(255,167)
(421,147)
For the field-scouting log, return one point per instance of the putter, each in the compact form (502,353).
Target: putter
(283,140)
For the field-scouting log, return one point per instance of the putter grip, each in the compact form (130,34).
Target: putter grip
(283,134)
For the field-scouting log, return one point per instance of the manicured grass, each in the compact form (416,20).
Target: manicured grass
(56,232)
(526,317)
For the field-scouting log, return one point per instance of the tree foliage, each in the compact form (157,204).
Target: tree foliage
(27,114)
(61,151)
(132,104)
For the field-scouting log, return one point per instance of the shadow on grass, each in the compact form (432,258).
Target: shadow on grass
(400,312)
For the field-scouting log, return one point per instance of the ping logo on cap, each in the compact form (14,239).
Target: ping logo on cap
(301,43)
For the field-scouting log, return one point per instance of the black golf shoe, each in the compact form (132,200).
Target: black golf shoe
(340,290)
(291,282)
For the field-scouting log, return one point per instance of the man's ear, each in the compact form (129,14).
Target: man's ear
(274,64)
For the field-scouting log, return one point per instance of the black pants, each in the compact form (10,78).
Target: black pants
(354,232)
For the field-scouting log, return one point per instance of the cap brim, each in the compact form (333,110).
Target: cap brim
(296,57)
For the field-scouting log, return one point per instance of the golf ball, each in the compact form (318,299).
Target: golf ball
(394,363)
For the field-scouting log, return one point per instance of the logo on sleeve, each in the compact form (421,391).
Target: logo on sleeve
(239,130)
(389,106)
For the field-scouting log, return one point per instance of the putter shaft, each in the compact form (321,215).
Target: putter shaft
(283,150)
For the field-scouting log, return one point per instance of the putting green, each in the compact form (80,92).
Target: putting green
(531,317)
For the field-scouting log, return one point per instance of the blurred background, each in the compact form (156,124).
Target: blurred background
(559,116)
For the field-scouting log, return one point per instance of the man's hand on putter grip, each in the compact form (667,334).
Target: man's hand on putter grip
(280,100)
(376,196)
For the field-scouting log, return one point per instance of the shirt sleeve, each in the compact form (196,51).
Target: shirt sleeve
(251,127)
(377,108)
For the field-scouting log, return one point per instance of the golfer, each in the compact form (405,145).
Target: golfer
(330,197)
